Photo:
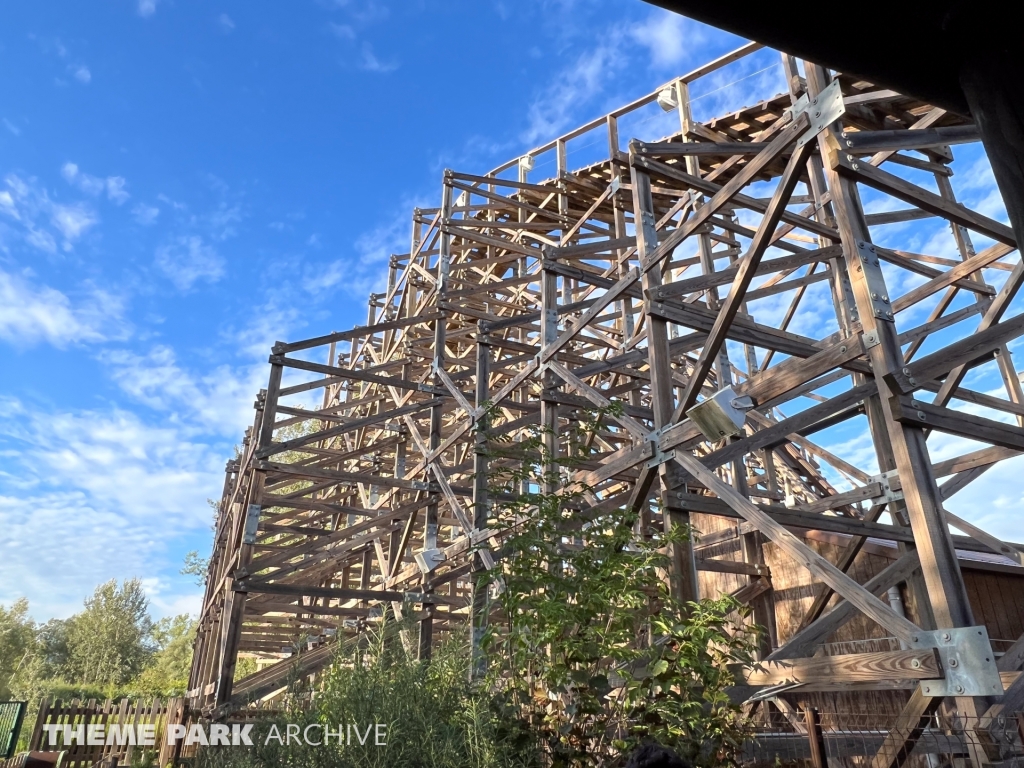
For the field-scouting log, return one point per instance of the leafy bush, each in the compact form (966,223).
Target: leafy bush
(433,719)
(594,653)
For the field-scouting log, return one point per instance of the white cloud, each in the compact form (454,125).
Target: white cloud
(225,22)
(82,73)
(81,485)
(370,63)
(219,400)
(343,31)
(271,322)
(222,221)
(72,220)
(29,204)
(31,314)
(187,260)
(15,130)
(114,186)
(115,189)
(366,270)
(145,214)
(669,38)
(8,207)
(147,8)
(579,85)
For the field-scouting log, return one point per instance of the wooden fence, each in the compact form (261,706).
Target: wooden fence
(127,712)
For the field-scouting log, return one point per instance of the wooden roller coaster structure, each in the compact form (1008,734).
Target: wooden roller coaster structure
(669,278)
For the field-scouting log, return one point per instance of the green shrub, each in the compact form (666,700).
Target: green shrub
(433,718)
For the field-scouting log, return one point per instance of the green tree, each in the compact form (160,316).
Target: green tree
(168,671)
(17,643)
(195,566)
(109,643)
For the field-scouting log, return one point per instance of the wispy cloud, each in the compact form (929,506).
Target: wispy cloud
(225,22)
(114,186)
(81,73)
(28,212)
(188,260)
(366,269)
(577,86)
(145,214)
(146,8)
(370,63)
(358,16)
(73,220)
(32,314)
(218,400)
(669,38)
(107,481)
(14,130)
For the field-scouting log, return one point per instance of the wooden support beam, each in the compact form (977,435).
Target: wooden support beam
(804,555)
(745,273)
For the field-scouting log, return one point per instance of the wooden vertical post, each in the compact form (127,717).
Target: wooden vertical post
(481,505)
(946,592)
(682,565)
(234,605)
(548,407)
(815,738)
(437,412)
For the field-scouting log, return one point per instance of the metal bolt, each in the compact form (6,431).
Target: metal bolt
(889,313)
(906,371)
(874,295)
(842,348)
(920,415)
(959,689)
(850,158)
(945,636)
(855,167)
(954,662)
(915,663)
(927,689)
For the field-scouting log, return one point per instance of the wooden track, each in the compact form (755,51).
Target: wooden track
(652,279)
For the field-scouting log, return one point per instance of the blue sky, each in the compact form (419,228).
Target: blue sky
(182,183)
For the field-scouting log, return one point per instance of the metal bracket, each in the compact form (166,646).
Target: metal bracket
(967,660)
(870,339)
(659,458)
(654,438)
(551,316)
(867,262)
(823,110)
(888,494)
(252,522)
